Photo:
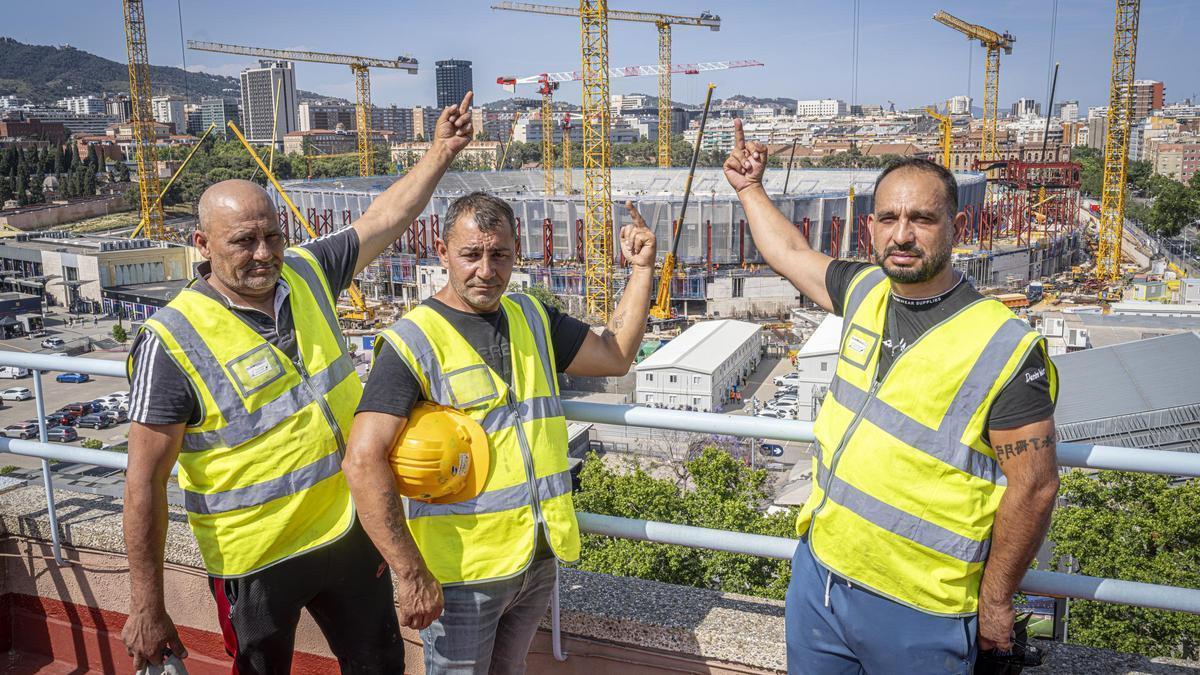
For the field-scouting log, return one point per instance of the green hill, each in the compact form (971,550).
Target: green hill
(44,74)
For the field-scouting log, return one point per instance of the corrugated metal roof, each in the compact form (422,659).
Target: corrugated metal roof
(702,347)
(1129,378)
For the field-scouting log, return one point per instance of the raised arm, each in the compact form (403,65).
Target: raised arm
(610,353)
(382,515)
(390,215)
(1027,457)
(781,243)
(153,449)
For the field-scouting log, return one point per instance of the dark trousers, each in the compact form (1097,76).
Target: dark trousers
(347,589)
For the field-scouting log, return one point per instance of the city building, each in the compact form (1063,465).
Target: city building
(424,120)
(326,116)
(54,132)
(399,121)
(815,364)
(329,141)
(1147,97)
(1026,107)
(195,119)
(453,81)
(119,107)
(1067,111)
(219,111)
(170,110)
(701,369)
(83,105)
(621,104)
(270,109)
(825,107)
(1178,160)
(476,156)
(75,124)
(958,105)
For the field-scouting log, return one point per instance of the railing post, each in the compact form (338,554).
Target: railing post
(52,514)
(555,629)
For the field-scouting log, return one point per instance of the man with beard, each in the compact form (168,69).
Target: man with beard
(934,469)
(245,378)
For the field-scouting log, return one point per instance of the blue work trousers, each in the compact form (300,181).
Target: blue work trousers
(835,626)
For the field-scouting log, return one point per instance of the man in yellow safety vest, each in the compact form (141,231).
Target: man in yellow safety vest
(245,378)
(934,473)
(493,557)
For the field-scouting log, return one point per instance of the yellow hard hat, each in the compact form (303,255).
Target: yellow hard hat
(442,456)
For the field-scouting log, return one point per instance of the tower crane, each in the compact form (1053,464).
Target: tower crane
(566,153)
(549,82)
(993,42)
(946,124)
(663,22)
(1116,140)
(142,119)
(359,65)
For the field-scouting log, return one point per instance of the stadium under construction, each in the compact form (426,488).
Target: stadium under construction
(722,272)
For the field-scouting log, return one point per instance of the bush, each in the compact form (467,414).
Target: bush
(92,443)
(119,334)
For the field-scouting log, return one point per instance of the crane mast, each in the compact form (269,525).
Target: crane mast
(142,119)
(597,159)
(1116,140)
(993,42)
(946,125)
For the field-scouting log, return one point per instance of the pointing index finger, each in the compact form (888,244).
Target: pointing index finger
(739,137)
(466,103)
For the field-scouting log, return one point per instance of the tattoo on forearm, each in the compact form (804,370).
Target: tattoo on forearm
(1009,450)
(394,517)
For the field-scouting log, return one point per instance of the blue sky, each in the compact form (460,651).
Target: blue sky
(905,56)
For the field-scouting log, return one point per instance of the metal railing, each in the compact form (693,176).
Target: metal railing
(1038,582)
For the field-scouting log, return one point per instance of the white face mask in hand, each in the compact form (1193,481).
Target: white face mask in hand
(171,665)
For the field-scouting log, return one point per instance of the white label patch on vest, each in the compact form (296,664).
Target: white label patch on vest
(859,346)
(259,369)
(255,369)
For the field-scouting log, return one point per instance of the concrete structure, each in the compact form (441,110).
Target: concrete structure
(815,364)
(1147,97)
(119,107)
(83,105)
(269,103)
(326,116)
(219,111)
(170,110)
(75,124)
(40,216)
(958,105)
(824,107)
(328,142)
(1026,107)
(702,368)
(453,81)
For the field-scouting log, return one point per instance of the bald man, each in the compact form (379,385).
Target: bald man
(245,379)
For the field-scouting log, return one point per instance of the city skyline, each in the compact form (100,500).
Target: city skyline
(509,43)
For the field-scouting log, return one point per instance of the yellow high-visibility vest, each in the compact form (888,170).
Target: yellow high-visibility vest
(261,471)
(493,535)
(905,489)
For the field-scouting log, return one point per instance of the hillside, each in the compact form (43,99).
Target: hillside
(44,74)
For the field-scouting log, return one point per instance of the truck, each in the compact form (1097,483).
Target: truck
(1035,291)
(13,372)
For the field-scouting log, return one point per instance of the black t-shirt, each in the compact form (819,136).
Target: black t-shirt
(393,389)
(1024,400)
(160,393)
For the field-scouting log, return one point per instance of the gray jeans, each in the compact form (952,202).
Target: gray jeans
(487,628)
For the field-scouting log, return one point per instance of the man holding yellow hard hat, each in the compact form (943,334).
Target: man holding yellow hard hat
(489,362)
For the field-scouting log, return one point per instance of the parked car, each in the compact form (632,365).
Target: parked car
(60,419)
(117,416)
(100,405)
(786,379)
(768,413)
(119,394)
(13,372)
(74,378)
(78,409)
(771,449)
(61,434)
(16,394)
(786,391)
(53,343)
(95,421)
(26,429)
(784,401)
(787,411)
(113,403)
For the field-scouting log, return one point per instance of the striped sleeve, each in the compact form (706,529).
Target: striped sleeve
(159,392)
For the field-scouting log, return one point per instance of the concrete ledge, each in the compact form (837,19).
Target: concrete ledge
(610,624)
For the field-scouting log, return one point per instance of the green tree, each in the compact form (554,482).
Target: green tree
(119,334)
(1138,174)
(6,190)
(1194,183)
(713,490)
(36,195)
(122,172)
(546,296)
(22,198)
(1175,207)
(1137,212)
(1137,527)
(1091,177)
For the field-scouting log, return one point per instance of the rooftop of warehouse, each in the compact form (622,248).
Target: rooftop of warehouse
(825,339)
(702,347)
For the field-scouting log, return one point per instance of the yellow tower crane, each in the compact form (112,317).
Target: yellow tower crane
(548,83)
(566,153)
(359,65)
(663,23)
(142,119)
(1116,140)
(993,42)
(946,123)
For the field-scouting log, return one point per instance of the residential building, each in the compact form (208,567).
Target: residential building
(399,121)
(624,103)
(11,101)
(329,141)
(270,109)
(453,81)
(424,120)
(1147,97)
(825,107)
(1026,107)
(327,116)
(958,105)
(477,155)
(1178,160)
(169,110)
(83,105)
(703,368)
(119,107)
(1067,111)
(54,132)
(195,119)
(75,124)
(219,111)
(1097,129)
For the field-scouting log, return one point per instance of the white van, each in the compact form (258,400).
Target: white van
(13,372)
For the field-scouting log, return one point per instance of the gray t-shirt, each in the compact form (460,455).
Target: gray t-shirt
(160,393)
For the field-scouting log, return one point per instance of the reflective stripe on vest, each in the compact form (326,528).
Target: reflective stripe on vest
(905,488)
(261,471)
(492,535)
